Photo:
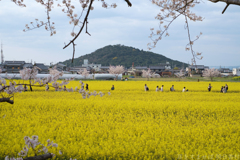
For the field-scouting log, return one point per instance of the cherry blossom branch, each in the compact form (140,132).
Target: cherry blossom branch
(68,5)
(85,21)
(174,9)
(19,3)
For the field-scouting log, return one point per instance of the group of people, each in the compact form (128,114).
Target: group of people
(224,89)
(161,89)
(124,79)
(157,89)
(65,88)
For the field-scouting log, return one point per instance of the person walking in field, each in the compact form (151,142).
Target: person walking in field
(172,88)
(221,90)
(25,88)
(184,89)
(112,87)
(146,87)
(86,87)
(226,86)
(157,89)
(209,88)
(47,87)
(161,89)
(224,89)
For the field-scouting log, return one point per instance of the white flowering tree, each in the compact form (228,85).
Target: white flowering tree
(84,73)
(7,90)
(147,74)
(211,73)
(116,70)
(180,74)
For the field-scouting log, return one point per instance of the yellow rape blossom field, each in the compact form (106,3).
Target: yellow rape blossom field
(128,124)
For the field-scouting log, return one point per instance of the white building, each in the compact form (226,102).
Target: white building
(96,67)
(236,71)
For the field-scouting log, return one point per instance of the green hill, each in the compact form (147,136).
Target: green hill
(123,55)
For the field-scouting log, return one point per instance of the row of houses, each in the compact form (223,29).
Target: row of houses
(161,69)
(16,66)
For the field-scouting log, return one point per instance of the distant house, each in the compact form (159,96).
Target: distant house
(60,67)
(157,69)
(197,68)
(137,71)
(76,69)
(28,65)
(236,71)
(43,69)
(96,67)
(13,66)
(165,65)
(224,70)
(1,67)
(104,69)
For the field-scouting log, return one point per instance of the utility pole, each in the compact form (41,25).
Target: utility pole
(2,57)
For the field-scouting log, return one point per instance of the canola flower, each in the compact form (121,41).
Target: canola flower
(127,123)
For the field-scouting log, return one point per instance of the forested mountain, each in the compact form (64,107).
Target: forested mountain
(123,55)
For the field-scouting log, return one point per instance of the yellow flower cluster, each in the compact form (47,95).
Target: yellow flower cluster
(130,123)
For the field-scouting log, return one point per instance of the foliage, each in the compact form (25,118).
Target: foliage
(129,124)
(236,78)
(125,56)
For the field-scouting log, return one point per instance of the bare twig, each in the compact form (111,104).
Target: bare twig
(86,29)
(225,8)
(73,51)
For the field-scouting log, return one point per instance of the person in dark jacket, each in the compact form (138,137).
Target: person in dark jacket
(112,87)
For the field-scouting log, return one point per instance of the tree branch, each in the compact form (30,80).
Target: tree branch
(225,8)
(73,51)
(6,100)
(129,3)
(235,2)
(84,22)
(41,157)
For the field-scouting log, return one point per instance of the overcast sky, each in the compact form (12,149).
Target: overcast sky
(129,26)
